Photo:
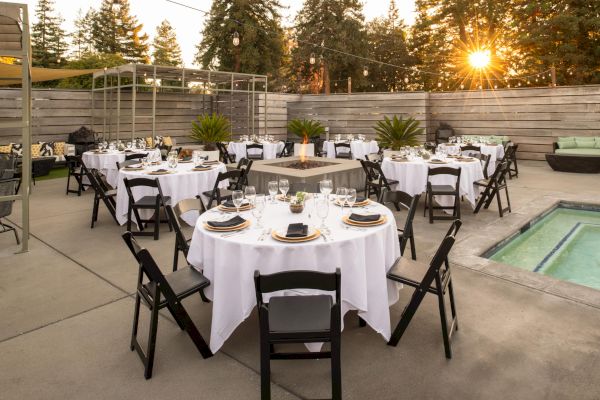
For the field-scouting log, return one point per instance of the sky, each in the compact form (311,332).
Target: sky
(188,23)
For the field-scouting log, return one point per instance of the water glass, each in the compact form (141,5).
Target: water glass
(237,196)
(129,145)
(322,205)
(273,188)
(326,187)
(259,205)
(250,193)
(341,194)
(284,186)
(351,198)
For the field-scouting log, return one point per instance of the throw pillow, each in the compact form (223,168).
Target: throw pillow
(59,148)
(35,150)
(16,149)
(567,143)
(5,149)
(167,141)
(46,149)
(597,138)
(585,142)
(159,141)
(149,142)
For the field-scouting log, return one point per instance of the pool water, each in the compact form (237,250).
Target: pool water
(564,244)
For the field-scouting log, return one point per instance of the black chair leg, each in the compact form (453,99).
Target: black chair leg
(151,342)
(175,258)
(507,199)
(499,201)
(336,368)
(444,321)
(136,318)
(129,218)
(95,211)
(156,222)
(68,182)
(265,370)
(452,304)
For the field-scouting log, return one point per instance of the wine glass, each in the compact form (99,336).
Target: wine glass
(237,196)
(322,205)
(326,187)
(284,186)
(273,188)
(341,194)
(351,198)
(259,205)
(129,145)
(250,193)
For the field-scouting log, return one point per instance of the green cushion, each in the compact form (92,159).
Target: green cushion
(597,139)
(595,152)
(566,143)
(585,142)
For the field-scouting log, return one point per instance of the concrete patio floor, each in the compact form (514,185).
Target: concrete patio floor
(66,310)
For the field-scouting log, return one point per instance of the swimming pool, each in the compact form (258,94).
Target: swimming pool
(564,243)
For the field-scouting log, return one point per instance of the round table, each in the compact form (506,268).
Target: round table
(495,151)
(107,162)
(359,148)
(412,177)
(270,149)
(182,184)
(363,255)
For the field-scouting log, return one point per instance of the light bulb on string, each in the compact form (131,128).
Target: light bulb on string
(439,84)
(236,39)
(406,80)
(462,86)
(366,71)
(312,59)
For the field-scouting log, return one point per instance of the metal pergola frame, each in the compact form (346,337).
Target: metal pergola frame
(137,77)
(21,50)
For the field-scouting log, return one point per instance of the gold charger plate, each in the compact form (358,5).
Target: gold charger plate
(286,199)
(133,168)
(361,204)
(160,173)
(201,169)
(228,229)
(466,159)
(308,238)
(437,162)
(348,221)
(245,207)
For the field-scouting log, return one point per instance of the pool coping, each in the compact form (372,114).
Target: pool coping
(470,251)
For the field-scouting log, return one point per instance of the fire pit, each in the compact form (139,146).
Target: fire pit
(311,170)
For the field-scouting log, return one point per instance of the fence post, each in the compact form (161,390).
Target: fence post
(349,85)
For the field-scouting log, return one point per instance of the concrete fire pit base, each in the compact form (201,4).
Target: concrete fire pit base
(347,173)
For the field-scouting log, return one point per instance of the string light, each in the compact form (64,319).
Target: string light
(312,59)
(236,39)
(406,80)
(366,71)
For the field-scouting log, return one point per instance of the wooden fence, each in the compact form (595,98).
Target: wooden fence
(533,118)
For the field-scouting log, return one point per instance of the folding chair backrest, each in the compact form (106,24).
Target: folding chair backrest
(254,146)
(287,149)
(127,162)
(377,172)
(470,148)
(135,156)
(444,171)
(337,146)
(407,201)
(299,279)
(148,266)
(146,182)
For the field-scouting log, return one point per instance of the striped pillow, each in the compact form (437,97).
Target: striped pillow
(46,149)
(16,149)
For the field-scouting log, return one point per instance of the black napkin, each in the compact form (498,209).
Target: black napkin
(162,170)
(211,162)
(361,199)
(298,230)
(229,204)
(364,218)
(202,167)
(235,221)
(135,166)
(188,158)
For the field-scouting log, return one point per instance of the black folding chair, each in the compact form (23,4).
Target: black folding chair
(288,149)
(182,244)
(7,188)
(75,171)
(101,192)
(127,163)
(343,154)
(255,155)
(299,319)
(219,195)
(375,180)
(154,203)
(319,144)
(158,292)
(493,186)
(245,166)
(442,190)
(410,203)
(136,156)
(434,278)
(513,167)
(225,155)
(470,149)
(485,163)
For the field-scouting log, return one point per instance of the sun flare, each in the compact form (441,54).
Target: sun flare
(480,59)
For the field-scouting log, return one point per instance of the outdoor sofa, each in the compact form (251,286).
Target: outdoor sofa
(576,154)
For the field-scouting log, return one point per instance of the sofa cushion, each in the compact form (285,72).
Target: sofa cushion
(566,143)
(35,150)
(46,149)
(585,142)
(16,149)
(59,148)
(5,148)
(578,151)
(597,140)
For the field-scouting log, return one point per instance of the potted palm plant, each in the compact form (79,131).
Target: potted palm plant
(209,129)
(305,129)
(395,133)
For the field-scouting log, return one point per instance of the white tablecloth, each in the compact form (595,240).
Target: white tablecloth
(359,148)
(364,257)
(270,150)
(107,163)
(495,151)
(412,177)
(184,184)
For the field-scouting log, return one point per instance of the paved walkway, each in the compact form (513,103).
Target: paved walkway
(66,310)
